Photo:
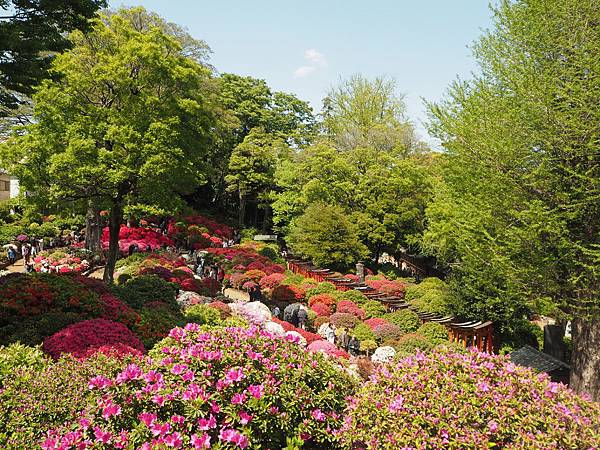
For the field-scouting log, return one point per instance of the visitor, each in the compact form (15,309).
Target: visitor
(276,311)
(237,237)
(26,252)
(302,318)
(12,255)
(199,263)
(213,272)
(354,346)
(343,339)
(231,242)
(221,275)
(45,267)
(330,333)
(133,248)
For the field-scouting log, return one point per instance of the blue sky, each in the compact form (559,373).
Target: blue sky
(306,47)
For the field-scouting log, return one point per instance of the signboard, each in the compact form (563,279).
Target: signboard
(265,237)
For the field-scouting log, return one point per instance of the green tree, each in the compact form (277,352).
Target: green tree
(362,113)
(32,33)
(325,235)
(126,125)
(252,168)
(517,216)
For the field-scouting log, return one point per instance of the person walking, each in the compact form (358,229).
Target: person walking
(302,318)
(12,255)
(276,311)
(343,339)
(330,333)
(26,252)
(354,346)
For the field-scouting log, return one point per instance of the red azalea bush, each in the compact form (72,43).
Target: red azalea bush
(223,309)
(210,285)
(321,309)
(254,275)
(389,287)
(60,262)
(467,401)
(327,348)
(271,281)
(310,337)
(325,299)
(346,306)
(344,320)
(375,322)
(82,338)
(223,389)
(288,293)
(33,307)
(387,332)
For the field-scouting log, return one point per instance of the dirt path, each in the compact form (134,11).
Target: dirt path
(17,267)
(236,294)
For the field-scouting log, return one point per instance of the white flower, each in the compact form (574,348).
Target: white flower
(383,354)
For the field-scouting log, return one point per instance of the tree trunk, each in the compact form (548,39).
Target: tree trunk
(242,211)
(92,228)
(114,225)
(585,361)
(266,219)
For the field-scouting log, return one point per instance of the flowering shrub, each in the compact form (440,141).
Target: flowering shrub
(202,315)
(435,333)
(321,288)
(389,287)
(383,355)
(327,348)
(223,309)
(60,262)
(325,299)
(387,332)
(493,404)
(33,307)
(375,322)
(156,319)
(354,296)
(31,405)
(144,238)
(138,291)
(82,338)
(18,356)
(256,313)
(411,342)
(346,306)
(319,321)
(363,332)
(185,299)
(250,275)
(271,281)
(288,293)
(262,389)
(344,320)
(373,308)
(321,309)
(407,320)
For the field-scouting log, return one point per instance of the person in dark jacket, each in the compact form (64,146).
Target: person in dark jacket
(354,346)
(302,318)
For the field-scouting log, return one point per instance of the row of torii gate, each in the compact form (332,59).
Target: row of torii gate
(473,333)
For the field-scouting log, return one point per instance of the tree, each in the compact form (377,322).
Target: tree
(252,167)
(517,215)
(326,236)
(32,33)
(126,125)
(363,113)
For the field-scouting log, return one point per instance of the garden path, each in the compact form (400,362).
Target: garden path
(236,294)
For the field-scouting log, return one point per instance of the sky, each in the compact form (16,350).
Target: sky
(306,47)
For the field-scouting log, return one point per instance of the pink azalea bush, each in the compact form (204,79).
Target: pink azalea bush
(144,238)
(327,348)
(375,322)
(321,309)
(347,306)
(271,281)
(467,401)
(84,338)
(60,262)
(194,394)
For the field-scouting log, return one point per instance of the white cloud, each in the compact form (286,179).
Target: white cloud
(304,71)
(315,57)
(315,61)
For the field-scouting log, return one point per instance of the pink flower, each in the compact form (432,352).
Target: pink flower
(200,442)
(234,375)
(207,424)
(160,430)
(256,390)
(493,426)
(102,436)
(174,440)
(318,415)
(244,417)
(99,382)
(396,405)
(147,418)
(238,399)
(110,410)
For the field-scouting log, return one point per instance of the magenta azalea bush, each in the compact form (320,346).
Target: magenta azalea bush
(84,338)
(231,388)
(467,401)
